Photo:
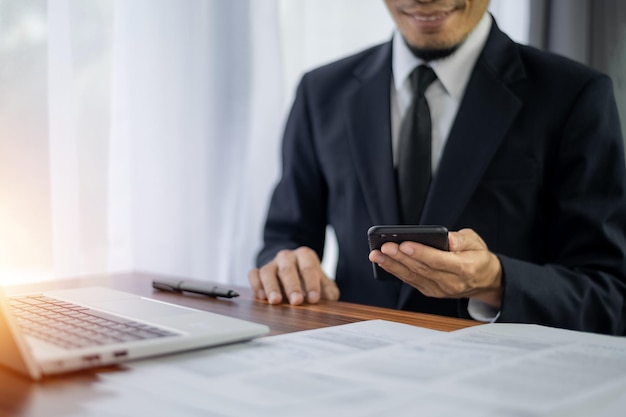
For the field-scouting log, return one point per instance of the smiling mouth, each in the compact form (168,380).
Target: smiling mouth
(433,17)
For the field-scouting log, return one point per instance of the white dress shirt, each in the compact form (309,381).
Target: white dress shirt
(444,98)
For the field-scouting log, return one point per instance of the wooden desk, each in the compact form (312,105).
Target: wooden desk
(19,397)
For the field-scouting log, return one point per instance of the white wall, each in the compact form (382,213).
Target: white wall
(145,134)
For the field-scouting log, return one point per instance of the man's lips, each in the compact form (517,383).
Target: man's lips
(429,17)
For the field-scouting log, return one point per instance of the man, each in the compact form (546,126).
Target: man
(528,174)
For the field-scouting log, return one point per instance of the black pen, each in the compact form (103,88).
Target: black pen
(180,286)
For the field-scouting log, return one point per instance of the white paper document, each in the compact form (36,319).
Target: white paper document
(380,368)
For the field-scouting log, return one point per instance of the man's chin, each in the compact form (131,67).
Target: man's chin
(433,53)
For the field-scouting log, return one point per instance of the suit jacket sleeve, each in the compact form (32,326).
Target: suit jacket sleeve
(297,213)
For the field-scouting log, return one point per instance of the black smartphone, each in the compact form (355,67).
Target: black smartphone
(435,236)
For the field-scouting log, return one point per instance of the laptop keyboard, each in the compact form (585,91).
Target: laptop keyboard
(72,326)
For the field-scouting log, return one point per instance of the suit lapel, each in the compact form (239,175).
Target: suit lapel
(369,135)
(485,115)
(480,126)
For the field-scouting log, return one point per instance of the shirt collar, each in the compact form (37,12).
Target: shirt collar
(454,71)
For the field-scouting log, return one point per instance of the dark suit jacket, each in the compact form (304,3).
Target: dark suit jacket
(534,163)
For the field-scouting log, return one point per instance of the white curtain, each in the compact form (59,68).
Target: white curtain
(144,134)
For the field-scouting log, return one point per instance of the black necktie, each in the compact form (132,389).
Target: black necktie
(414,153)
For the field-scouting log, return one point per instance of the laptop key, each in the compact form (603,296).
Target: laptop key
(71,326)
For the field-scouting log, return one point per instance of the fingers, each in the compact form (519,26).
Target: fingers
(469,269)
(288,275)
(310,272)
(408,258)
(418,265)
(270,288)
(254,276)
(294,274)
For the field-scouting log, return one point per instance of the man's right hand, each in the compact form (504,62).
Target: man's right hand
(296,274)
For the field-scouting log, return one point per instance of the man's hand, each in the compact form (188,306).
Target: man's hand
(469,269)
(296,274)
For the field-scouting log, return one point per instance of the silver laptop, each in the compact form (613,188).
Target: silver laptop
(60,331)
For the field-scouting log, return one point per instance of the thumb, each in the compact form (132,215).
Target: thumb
(465,240)
(330,291)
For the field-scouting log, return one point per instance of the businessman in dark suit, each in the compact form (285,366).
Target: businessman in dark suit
(528,174)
